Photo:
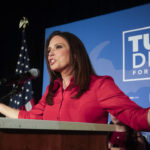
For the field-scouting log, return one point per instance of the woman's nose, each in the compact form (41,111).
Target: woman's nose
(51,53)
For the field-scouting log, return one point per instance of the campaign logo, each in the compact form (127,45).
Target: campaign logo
(136,54)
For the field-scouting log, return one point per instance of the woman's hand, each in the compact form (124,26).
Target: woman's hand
(8,111)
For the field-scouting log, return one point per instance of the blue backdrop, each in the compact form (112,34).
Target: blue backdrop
(118,45)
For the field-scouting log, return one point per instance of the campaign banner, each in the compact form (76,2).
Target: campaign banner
(136,54)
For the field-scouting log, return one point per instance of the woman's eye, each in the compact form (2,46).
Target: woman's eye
(48,51)
(58,46)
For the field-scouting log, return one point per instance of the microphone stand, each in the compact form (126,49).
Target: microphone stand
(15,90)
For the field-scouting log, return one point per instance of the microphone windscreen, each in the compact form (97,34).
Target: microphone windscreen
(34,72)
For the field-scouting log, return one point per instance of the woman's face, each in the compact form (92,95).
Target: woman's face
(59,54)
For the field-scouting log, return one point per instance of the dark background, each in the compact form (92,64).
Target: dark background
(42,15)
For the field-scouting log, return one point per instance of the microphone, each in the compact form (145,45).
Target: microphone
(20,78)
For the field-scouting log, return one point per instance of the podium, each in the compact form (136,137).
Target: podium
(27,134)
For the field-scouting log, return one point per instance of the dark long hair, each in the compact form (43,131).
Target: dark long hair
(79,60)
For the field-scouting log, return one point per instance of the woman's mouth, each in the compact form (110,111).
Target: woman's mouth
(52,61)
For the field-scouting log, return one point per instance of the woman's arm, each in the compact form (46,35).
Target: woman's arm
(113,100)
(8,111)
(35,113)
(148,117)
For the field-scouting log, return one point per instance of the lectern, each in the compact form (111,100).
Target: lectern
(27,134)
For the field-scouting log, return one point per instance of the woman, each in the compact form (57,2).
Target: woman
(76,93)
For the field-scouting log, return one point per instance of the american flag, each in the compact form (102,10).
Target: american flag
(24,98)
